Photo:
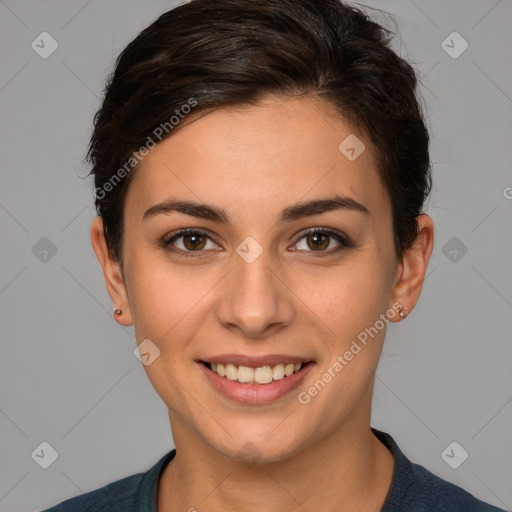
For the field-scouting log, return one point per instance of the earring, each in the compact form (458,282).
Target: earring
(402,313)
(118,312)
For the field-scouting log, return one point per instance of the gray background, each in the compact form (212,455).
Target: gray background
(68,373)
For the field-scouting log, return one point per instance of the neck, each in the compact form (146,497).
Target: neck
(349,470)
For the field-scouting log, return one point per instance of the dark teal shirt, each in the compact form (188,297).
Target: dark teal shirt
(413,489)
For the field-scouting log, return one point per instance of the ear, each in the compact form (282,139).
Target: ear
(111,272)
(412,269)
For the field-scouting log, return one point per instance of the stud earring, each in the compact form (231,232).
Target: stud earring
(402,313)
(118,312)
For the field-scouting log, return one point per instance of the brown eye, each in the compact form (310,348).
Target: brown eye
(322,240)
(190,241)
(194,241)
(317,241)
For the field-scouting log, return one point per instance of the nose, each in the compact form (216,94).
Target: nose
(255,299)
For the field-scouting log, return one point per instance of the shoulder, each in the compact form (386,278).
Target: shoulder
(133,493)
(415,489)
(122,494)
(431,492)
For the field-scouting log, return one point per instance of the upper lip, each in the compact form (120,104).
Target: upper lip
(255,361)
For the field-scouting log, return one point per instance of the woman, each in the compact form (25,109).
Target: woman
(260,171)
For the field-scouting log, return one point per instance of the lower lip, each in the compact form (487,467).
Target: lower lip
(256,393)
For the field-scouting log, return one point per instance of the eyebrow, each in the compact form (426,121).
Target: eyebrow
(295,212)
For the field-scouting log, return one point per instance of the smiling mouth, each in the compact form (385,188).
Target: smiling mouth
(260,375)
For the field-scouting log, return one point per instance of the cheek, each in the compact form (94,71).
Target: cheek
(167,301)
(168,306)
(350,294)
(350,302)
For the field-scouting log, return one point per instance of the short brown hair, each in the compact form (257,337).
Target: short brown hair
(228,52)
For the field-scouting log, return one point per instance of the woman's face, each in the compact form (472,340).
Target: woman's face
(252,281)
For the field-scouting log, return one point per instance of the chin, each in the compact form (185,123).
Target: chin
(252,450)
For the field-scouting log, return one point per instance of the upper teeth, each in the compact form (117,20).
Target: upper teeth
(261,375)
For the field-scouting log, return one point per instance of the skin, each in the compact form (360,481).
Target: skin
(253,162)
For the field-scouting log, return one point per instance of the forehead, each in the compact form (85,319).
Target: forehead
(279,151)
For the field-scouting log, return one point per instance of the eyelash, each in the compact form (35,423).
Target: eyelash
(344,242)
